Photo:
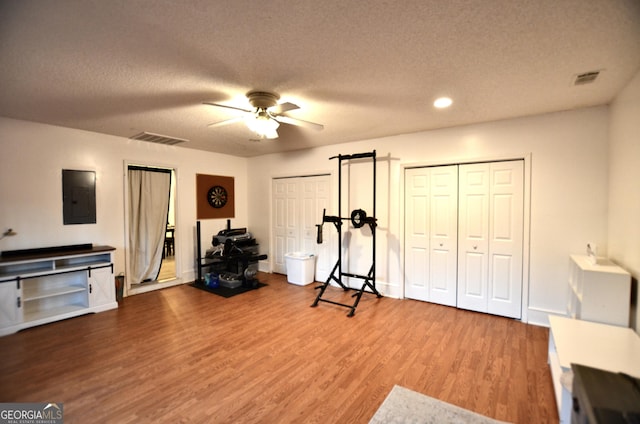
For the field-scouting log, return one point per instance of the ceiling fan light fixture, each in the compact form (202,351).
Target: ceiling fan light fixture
(263,124)
(266,116)
(270,134)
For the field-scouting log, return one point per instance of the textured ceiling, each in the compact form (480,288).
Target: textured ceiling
(363,69)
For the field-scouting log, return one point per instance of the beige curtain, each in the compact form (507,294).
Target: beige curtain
(149,191)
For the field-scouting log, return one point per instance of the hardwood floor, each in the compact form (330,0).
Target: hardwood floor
(185,355)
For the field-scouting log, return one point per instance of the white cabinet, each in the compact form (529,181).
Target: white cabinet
(598,292)
(45,285)
(596,345)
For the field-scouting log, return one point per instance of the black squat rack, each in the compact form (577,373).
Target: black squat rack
(358,219)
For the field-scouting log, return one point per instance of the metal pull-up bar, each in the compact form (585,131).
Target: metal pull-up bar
(358,219)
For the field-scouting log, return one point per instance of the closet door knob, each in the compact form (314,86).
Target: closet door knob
(475,247)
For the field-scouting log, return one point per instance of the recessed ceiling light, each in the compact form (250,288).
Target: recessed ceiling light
(442,102)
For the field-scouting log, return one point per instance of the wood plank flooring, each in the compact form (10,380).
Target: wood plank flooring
(185,355)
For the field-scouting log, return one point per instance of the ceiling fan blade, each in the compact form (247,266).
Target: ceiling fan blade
(226,122)
(299,122)
(227,106)
(283,107)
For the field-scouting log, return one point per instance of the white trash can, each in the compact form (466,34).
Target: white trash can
(300,268)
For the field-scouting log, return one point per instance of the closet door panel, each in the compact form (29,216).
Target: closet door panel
(308,216)
(439,273)
(443,212)
(326,251)
(291,240)
(473,236)
(285,221)
(297,208)
(501,270)
(506,238)
(418,275)
(472,294)
(279,225)
(417,234)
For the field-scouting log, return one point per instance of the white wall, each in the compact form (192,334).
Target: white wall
(568,153)
(32,157)
(569,198)
(624,185)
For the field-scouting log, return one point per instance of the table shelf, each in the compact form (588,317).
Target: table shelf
(50,284)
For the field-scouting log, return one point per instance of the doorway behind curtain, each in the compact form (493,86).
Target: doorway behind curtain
(149,194)
(168,267)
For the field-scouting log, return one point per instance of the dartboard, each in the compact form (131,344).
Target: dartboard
(217,196)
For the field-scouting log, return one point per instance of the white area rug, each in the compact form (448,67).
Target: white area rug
(404,406)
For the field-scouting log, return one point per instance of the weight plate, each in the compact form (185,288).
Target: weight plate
(357,217)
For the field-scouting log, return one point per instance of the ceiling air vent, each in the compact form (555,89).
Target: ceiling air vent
(157,138)
(586,78)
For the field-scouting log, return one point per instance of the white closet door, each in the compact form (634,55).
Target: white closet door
(473,238)
(431,234)
(279,228)
(327,251)
(308,215)
(506,238)
(490,237)
(443,211)
(416,266)
(297,208)
(292,220)
(285,221)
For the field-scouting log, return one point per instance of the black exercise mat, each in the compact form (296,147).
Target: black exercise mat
(225,291)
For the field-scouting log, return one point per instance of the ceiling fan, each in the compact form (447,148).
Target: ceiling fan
(266,116)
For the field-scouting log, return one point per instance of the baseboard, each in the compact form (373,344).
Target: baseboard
(151,286)
(537,316)
(264,266)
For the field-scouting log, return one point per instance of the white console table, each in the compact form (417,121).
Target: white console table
(608,347)
(45,285)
